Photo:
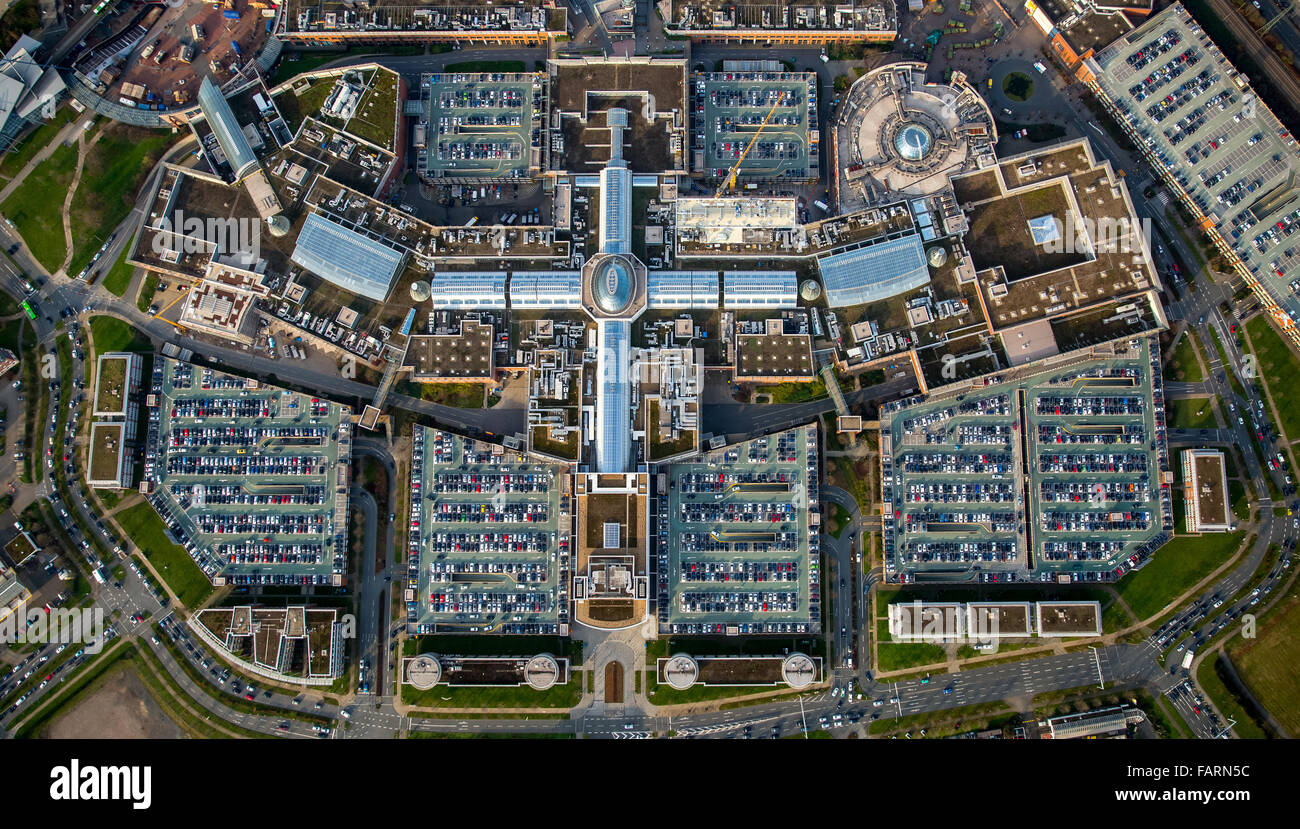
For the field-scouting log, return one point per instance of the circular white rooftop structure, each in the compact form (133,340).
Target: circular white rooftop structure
(278,225)
(799,671)
(420,291)
(810,290)
(936,256)
(681,671)
(542,672)
(423,672)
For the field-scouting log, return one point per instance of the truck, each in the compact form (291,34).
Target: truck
(823,206)
(98,573)
(196,32)
(1042,70)
(1187,661)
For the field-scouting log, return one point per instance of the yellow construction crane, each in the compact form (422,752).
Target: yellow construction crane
(730,181)
(159,316)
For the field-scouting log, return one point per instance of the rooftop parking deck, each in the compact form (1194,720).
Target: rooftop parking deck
(489,538)
(482,125)
(251,478)
(1066,460)
(396,20)
(1199,121)
(740,541)
(873,17)
(728,108)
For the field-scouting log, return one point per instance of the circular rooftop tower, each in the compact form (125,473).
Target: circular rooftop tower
(903,136)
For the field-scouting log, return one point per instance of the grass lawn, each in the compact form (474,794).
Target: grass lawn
(794,392)
(1182,363)
(36,207)
(561,696)
(16,160)
(111,334)
(295,64)
(1207,677)
(1176,566)
(1018,86)
(146,531)
(114,170)
(9,334)
(668,695)
(118,278)
(460,395)
(1269,664)
(837,519)
(375,114)
(1279,367)
(147,291)
(1191,412)
(898,656)
(856,476)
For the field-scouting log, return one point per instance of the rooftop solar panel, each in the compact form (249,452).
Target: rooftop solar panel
(468,289)
(545,289)
(760,289)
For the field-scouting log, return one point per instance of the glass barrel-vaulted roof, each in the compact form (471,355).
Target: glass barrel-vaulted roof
(229,135)
(353,261)
(613,411)
(874,272)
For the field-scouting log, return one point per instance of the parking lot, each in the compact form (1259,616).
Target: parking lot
(487,554)
(737,547)
(1065,463)
(481,124)
(248,476)
(1201,123)
(730,107)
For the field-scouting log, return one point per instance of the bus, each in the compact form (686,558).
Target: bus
(29,310)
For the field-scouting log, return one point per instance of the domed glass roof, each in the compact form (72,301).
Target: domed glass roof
(611,286)
(913,142)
